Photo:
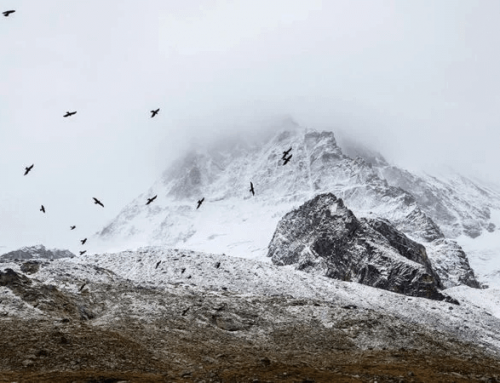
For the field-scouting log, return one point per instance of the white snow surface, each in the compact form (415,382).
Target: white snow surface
(484,253)
(476,319)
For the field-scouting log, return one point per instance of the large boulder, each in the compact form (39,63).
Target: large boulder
(323,236)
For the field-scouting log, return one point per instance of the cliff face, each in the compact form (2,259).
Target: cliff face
(323,236)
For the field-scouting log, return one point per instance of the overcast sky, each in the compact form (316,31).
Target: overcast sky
(418,80)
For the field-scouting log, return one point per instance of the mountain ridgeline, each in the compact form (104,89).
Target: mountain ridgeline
(426,209)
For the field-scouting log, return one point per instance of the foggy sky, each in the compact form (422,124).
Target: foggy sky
(417,80)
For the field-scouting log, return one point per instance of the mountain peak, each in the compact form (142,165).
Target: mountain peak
(233,220)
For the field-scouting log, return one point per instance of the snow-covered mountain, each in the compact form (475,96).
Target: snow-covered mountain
(35,252)
(430,210)
(456,203)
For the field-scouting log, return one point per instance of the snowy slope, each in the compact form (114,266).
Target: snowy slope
(234,222)
(476,319)
(456,203)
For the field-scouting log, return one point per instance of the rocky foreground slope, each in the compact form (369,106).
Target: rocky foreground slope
(173,315)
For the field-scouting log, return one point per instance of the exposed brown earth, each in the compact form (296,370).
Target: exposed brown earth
(120,331)
(134,351)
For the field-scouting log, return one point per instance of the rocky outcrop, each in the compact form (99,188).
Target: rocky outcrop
(451,263)
(36,252)
(323,236)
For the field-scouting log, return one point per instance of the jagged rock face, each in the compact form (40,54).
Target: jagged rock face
(455,203)
(323,236)
(404,246)
(451,263)
(36,252)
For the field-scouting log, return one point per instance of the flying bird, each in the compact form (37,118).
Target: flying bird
(85,284)
(97,202)
(28,169)
(83,252)
(7,13)
(285,153)
(154,112)
(69,114)
(286,160)
(251,188)
(83,241)
(151,199)
(72,227)
(200,202)
(158,264)
(42,209)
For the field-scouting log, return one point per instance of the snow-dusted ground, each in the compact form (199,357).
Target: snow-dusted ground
(476,319)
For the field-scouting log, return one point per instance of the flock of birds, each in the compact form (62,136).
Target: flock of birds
(286,158)
(28,169)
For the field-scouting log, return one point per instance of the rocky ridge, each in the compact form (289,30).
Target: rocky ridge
(324,237)
(35,252)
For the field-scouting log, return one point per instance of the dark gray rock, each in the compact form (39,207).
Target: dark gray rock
(323,236)
(30,267)
(406,247)
(12,279)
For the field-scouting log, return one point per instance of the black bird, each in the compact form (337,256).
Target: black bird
(200,202)
(83,252)
(151,199)
(182,270)
(154,112)
(251,189)
(285,153)
(286,160)
(42,209)
(217,265)
(7,13)
(184,312)
(72,227)
(81,288)
(83,241)
(69,114)
(158,264)
(97,202)
(28,168)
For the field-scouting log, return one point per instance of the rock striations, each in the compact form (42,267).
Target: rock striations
(323,236)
